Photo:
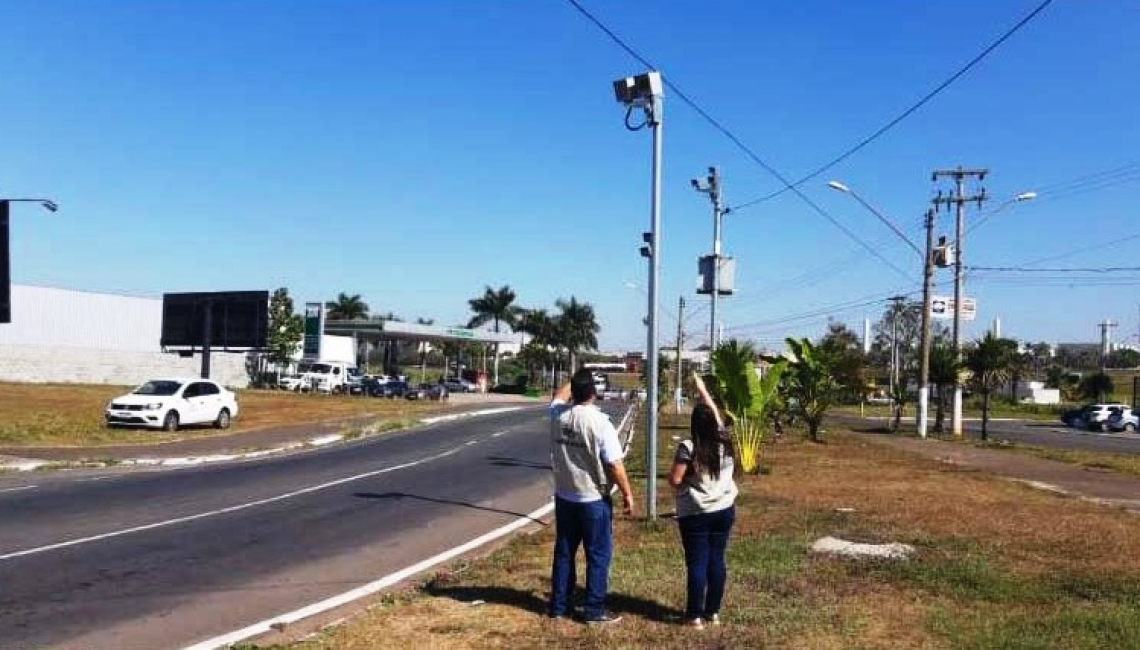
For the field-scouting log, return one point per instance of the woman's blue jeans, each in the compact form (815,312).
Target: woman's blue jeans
(705,538)
(589,525)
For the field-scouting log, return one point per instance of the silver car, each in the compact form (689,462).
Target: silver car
(1125,419)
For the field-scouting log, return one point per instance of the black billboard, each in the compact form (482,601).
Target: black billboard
(237,320)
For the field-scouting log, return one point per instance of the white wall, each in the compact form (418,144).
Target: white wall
(64,336)
(46,316)
(58,364)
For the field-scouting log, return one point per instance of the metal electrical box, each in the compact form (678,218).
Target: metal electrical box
(727,275)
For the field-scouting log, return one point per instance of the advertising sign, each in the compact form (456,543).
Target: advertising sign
(314,327)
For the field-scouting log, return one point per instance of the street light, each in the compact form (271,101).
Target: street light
(1020,198)
(645,91)
(927,277)
(836,185)
(5,258)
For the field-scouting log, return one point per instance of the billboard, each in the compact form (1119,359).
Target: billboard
(236,319)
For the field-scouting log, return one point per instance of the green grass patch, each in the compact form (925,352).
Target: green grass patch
(1068,626)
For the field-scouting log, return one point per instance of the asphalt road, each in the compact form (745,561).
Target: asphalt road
(163,559)
(1040,434)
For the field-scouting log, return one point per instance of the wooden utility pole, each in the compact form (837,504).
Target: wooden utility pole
(677,374)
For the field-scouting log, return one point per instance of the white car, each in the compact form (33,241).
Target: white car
(170,403)
(1126,419)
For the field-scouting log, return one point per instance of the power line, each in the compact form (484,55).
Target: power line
(905,114)
(735,140)
(1022,269)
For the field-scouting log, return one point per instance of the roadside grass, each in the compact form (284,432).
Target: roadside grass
(72,414)
(997,565)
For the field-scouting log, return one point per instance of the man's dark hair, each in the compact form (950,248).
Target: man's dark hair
(582,385)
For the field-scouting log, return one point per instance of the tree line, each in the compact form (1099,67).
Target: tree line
(555,338)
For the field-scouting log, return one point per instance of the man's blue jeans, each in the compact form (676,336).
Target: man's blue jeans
(705,538)
(589,525)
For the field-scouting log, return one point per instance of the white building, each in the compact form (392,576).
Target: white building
(64,336)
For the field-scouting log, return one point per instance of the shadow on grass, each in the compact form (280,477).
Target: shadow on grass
(528,601)
(450,502)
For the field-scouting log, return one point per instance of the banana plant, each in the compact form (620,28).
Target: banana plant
(746,396)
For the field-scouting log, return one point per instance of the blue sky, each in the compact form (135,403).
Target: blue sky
(414,152)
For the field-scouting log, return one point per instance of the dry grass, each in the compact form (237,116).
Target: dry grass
(997,565)
(72,414)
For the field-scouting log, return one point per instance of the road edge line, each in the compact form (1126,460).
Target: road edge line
(369,589)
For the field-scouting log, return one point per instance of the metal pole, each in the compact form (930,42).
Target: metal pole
(924,362)
(956,427)
(714,192)
(655,115)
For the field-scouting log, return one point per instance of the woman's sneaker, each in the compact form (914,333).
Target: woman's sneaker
(604,618)
(714,619)
(695,623)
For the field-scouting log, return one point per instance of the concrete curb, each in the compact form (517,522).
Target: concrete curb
(12,463)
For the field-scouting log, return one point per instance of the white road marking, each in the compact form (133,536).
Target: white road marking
(22,487)
(262,627)
(469,414)
(221,511)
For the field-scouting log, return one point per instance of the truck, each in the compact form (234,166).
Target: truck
(334,372)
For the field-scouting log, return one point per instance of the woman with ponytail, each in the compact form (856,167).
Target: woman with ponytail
(702,478)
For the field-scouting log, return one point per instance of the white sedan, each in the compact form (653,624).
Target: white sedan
(170,403)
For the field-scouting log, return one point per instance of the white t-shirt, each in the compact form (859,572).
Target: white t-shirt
(582,442)
(701,493)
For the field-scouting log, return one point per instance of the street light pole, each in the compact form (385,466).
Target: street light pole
(5,255)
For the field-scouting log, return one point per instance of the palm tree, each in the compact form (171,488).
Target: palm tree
(943,371)
(989,362)
(346,307)
(576,327)
(540,326)
(495,306)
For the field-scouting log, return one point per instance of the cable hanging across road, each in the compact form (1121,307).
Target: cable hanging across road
(737,141)
(905,114)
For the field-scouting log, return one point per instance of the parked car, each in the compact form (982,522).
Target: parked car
(390,389)
(1126,419)
(171,403)
(456,385)
(435,392)
(1092,416)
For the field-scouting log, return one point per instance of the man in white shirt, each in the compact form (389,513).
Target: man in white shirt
(586,457)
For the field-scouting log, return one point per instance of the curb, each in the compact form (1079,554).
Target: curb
(11,463)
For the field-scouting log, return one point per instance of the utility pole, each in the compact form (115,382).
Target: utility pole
(712,188)
(677,374)
(896,308)
(924,361)
(1105,344)
(959,200)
